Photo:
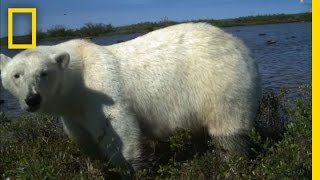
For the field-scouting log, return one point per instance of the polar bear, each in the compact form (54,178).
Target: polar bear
(190,76)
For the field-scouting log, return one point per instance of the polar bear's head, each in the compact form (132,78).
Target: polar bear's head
(34,76)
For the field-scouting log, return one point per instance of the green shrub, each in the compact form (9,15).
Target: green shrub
(92,29)
(34,147)
(59,31)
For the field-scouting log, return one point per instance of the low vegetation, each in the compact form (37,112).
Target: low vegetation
(33,147)
(98,29)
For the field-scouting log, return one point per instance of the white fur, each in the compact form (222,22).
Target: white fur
(189,76)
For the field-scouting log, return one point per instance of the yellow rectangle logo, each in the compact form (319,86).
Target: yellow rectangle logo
(33,12)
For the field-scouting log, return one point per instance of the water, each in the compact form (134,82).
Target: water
(288,61)
(283,53)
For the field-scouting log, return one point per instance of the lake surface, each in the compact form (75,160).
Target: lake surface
(283,53)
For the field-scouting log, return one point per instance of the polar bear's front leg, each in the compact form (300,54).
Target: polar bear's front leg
(98,140)
(128,133)
(82,136)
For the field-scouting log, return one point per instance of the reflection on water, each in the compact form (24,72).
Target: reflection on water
(283,53)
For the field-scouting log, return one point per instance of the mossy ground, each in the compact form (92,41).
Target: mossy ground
(33,147)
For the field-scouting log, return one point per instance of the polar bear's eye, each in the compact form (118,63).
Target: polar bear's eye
(16,76)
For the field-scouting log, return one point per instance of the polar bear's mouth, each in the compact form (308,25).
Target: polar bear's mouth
(33,108)
(33,101)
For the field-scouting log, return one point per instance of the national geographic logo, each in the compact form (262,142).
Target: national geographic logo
(33,12)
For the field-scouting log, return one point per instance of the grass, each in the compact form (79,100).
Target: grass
(34,147)
(98,29)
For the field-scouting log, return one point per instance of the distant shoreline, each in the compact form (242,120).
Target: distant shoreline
(99,29)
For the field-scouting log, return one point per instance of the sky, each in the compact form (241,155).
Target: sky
(75,13)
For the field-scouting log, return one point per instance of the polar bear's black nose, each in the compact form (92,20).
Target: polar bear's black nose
(33,100)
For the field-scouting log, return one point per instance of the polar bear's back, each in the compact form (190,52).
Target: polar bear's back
(189,75)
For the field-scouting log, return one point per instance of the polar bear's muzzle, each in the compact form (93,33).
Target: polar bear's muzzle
(33,101)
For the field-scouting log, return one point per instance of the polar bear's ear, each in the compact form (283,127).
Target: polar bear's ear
(62,59)
(3,61)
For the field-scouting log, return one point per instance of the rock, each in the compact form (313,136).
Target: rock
(271,42)
(88,38)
